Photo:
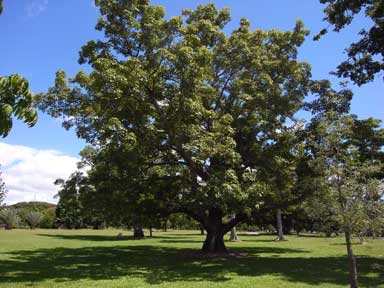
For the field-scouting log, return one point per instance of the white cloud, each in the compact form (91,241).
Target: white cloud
(29,173)
(36,7)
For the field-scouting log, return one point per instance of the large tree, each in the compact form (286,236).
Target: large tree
(366,56)
(190,106)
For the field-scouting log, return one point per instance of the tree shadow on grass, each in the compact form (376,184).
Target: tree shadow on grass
(178,240)
(258,240)
(165,264)
(261,237)
(100,237)
(183,234)
(272,237)
(310,236)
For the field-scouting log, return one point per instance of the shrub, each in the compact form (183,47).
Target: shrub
(49,218)
(33,218)
(10,218)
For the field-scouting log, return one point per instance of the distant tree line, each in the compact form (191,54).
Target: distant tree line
(28,215)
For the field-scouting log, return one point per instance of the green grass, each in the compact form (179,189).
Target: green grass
(87,258)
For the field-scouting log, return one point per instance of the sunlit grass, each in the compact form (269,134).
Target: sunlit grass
(89,258)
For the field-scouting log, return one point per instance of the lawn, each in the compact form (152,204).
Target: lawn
(88,258)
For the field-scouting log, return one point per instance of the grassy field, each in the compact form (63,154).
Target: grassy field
(87,258)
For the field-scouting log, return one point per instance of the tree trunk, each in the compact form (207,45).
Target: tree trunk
(233,237)
(347,232)
(280,233)
(214,242)
(138,231)
(351,259)
(165,225)
(201,229)
(150,231)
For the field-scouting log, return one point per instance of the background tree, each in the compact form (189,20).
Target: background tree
(49,218)
(352,180)
(180,221)
(119,189)
(47,210)
(280,162)
(368,138)
(287,161)
(233,236)
(69,209)
(3,190)
(113,191)
(321,213)
(32,206)
(10,218)
(366,56)
(34,219)
(332,137)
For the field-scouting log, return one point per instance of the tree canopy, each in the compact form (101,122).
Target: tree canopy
(366,56)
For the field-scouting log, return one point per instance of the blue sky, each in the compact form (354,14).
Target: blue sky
(38,37)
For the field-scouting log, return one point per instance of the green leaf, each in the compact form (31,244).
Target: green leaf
(7,110)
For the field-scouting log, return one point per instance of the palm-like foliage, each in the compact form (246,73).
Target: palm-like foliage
(10,218)
(34,218)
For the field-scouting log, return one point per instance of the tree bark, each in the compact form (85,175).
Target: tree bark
(214,242)
(138,232)
(351,260)
(347,233)
(165,225)
(280,233)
